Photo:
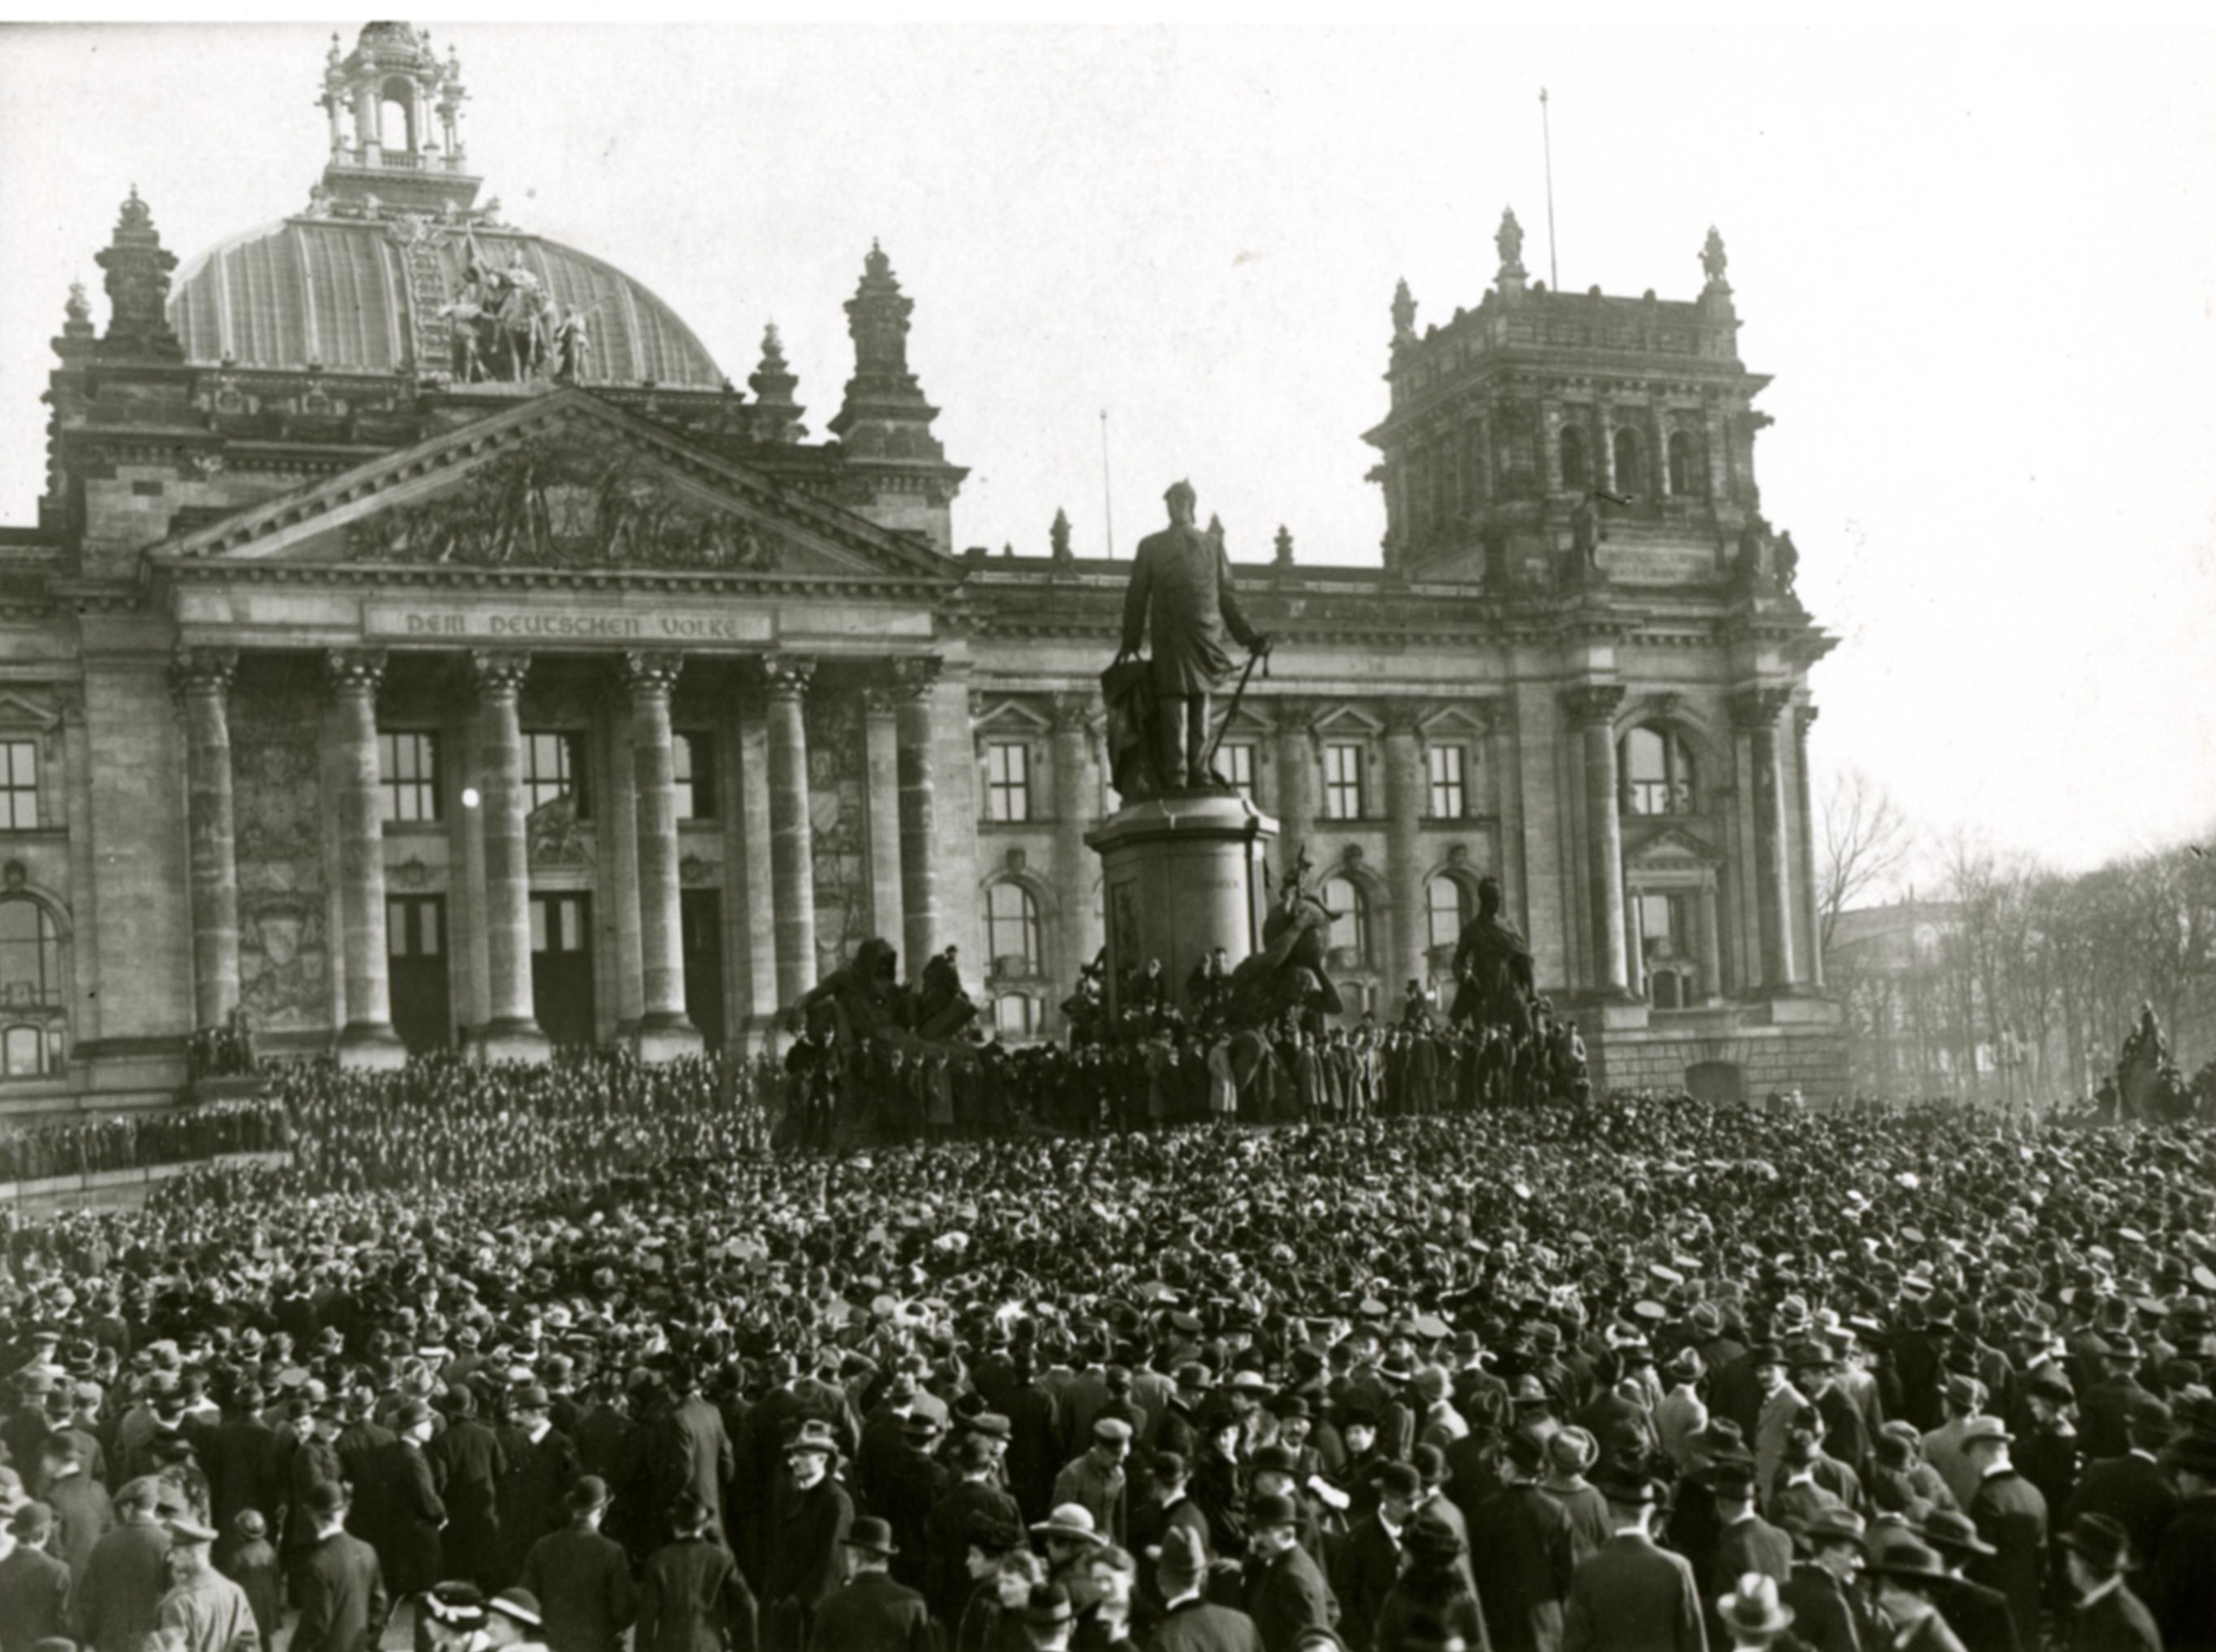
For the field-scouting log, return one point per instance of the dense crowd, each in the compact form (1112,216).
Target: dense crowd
(131,1141)
(1639,1373)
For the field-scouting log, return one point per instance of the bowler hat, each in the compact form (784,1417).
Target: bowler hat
(1046,1607)
(1908,1559)
(2099,1542)
(1954,1532)
(871,1535)
(1069,1523)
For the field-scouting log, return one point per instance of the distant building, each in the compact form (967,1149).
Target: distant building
(423,641)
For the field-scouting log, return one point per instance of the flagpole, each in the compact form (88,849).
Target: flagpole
(1547,140)
(1107,494)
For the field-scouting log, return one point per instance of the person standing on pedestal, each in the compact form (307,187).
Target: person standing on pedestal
(1181,587)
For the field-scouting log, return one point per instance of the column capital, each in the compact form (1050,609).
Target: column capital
(202,671)
(1294,715)
(1405,717)
(785,675)
(1802,716)
(651,670)
(1072,714)
(354,668)
(1591,704)
(878,702)
(495,671)
(1757,707)
(914,675)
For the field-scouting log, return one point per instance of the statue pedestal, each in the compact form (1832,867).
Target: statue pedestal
(1180,876)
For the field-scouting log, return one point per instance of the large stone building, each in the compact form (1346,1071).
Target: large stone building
(423,642)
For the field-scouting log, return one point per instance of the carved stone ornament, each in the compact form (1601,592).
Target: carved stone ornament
(556,836)
(549,504)
(695,872)
(411,874)
(1593,702)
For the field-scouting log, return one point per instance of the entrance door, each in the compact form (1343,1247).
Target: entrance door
(416,945)
(700,913)
(562,967)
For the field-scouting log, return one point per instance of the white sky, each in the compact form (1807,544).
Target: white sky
(1981,264)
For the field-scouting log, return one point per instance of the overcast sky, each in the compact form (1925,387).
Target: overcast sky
(1981,266)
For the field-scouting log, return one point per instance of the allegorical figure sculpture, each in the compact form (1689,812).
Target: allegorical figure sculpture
(1181,594)
(1493,965)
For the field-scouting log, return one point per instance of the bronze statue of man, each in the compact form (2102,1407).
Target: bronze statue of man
(1181,589)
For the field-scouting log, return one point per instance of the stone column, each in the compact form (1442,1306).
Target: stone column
(1404,787)
(617,872)
(200,680)
(881,743)
(1604,459)
(1658,423)
(1812,912)
(791,849)
(914,678)
(665,1032)
(367,1039)
(1296,783)
(1593,709)
(1711,985)
(511,1032)
(1755,714)
(746,846)
(1715,454)
(1074,792)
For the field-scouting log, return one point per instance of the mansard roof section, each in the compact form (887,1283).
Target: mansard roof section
(564,482)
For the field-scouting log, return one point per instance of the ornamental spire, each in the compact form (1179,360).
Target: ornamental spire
(137,268)
(884,415)
(777,416)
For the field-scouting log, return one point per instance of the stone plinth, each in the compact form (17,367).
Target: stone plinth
(1180,876)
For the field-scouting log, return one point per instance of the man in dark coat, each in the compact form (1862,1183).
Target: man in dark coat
(2180,1582)
(1979,1615)
(693,1597)
(534,1492)
(114,1601)
(1745,1543)
(244,1465)
(911,1484)
(809,1515)
(2132,1489)
(2011,1516)
(34,1585)
(410,1512)
(1181,592)
(360,1445)
(1828,1615)
(946,1533)
(339,1586)
(467,1463)
(1522,1551)
(871,1613)
(693,1451)
(1370,1562)
(1189,1622)
(313,1461)
(83,1511)
(1286,1592)
(582,1580)
(2108,1617)
(1632,1595)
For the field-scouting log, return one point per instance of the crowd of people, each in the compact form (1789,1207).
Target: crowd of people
(1638,1373)
(134,1141)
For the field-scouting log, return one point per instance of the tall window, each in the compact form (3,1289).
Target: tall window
(1661,926)
(1342,782)
(18,785)
(1012,923)
(1015,1015)
(1447,904)
(1450,796)
(408,776)
(1237,759)
(1630,463)
(30,990)
(1658,773)
(554,766)
(693,762)
(1351,929)
(1008,780)
(1684,471)
(1574,468)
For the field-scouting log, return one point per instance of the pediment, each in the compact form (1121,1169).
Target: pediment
(565,482)
(1673,847)
(1007,717)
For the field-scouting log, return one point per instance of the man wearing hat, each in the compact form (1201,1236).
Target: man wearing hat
(1979,1615)
(84,1513)
(34,1585)
(946,1533)
(1964,1398)
(693,1596)
(1522,1553)
(809,1515)
(338,1585)
(1096,1481)
(513,1620)
(204,1611)
(1189,1622)
(1370,1564)
(2181,1583)
(1681,1413)
(2010,1515)
(2132,1490)
(910,1485)
(1907,1573)
(1632,1595)
(1285,1589)
(582,1579)
(467,1463)
(2097,1552)
(871,1613)
(410,1514)
(1750,1614)
(543,1468)
(113,1602)
(1827,1609)
(1745,1543)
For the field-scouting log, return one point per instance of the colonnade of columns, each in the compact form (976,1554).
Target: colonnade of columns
(905,873)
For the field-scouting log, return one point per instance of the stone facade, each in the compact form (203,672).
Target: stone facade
(401,702)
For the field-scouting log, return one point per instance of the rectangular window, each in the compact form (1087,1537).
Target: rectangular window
(18,785)
(692,757)
(1238,763)
(554,766)
(1342,782)
(1661,926)
(408,776)
(1449,797)
(1007,781)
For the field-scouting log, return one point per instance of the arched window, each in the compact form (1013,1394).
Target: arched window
(1684,467)
(1015,1015)
(1448,904)
(1630,470)
(1574,470)
(1349,930)
(30,988)
(395,117)
(1011,921)
(1658,773)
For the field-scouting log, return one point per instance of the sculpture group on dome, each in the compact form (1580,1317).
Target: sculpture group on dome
(507,328)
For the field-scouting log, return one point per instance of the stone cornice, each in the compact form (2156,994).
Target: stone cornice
(473,576)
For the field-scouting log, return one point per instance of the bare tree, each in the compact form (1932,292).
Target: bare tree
(1867,840)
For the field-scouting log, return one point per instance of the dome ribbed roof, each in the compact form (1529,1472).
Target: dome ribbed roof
(345,293)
